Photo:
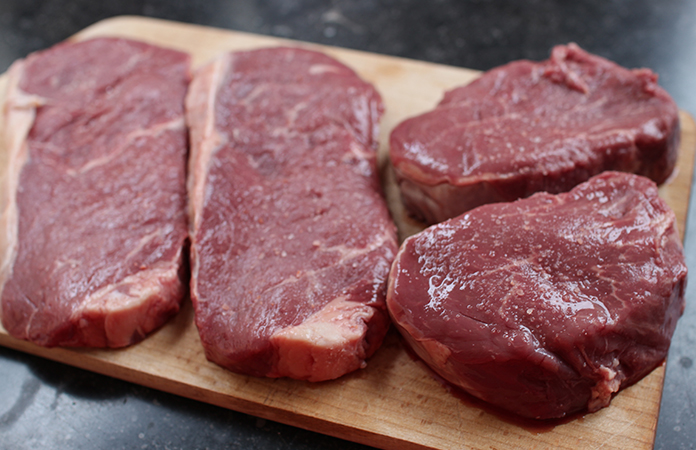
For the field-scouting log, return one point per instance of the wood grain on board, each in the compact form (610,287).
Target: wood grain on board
(394,403)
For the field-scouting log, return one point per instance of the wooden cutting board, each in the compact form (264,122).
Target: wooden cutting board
(394,403)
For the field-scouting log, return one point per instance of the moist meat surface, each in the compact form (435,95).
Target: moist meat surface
(548,305)
(526,127)
(291,239)
(94,195)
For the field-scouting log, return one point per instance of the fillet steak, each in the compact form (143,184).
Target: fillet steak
(548,305)
(534,126)
(94,220)
(291,238)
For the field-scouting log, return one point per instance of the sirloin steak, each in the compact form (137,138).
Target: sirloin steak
(291,238)
(547,305)
(534,126)
(94,193)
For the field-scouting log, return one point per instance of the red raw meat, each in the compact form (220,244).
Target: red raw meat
(548,305)
(527,127)
(292,240)
(94,198)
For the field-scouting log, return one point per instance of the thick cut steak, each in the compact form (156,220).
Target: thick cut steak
(529,126)
(94,193)
(291,240)
(547,305)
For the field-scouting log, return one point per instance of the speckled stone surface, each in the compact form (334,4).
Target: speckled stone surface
(46,405)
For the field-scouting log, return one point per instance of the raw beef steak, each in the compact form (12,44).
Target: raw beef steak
(547,305)
(94,196)
(527,127)
(291,241)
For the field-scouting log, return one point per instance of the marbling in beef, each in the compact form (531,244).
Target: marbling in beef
(526,127)
(94,223)
(548,305)
(291,238)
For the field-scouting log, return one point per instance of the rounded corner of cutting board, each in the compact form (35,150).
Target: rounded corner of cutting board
(116,22)
(688,124)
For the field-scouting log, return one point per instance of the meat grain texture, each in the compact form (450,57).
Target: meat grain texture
(529,126)
(94,222)
(291,237)
(548,305)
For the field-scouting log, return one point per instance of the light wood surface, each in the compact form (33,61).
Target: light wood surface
(394,403)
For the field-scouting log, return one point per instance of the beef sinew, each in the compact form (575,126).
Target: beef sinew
(529,126)
(548,305)
(291,238)
(94,193)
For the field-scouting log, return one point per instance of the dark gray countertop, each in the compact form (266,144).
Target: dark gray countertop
(49,405)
